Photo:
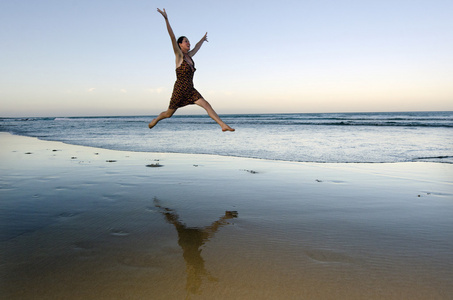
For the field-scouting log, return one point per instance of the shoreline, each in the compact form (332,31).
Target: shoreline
(83,222)
(426,159)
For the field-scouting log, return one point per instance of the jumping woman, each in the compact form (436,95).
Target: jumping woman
(184,92)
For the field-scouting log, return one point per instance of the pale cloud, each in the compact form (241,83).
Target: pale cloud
(220,93)
(123,91)
(157,90)
(91,90)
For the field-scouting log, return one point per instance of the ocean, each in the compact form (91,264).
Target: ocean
(303,137)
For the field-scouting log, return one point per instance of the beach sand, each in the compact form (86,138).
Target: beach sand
(86,223)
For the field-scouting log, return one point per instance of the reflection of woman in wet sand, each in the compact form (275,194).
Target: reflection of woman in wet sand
(184,92)
(191,239)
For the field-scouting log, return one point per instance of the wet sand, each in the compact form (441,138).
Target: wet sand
(86,223)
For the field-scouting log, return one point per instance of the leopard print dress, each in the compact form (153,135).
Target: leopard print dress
(184,92)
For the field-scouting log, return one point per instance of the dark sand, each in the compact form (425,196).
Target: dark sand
(85,223)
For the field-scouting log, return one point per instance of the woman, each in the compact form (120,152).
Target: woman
(184,92)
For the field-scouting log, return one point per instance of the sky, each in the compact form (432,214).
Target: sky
(112,57)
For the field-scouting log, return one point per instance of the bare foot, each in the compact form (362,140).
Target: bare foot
(228,128)
(152,124)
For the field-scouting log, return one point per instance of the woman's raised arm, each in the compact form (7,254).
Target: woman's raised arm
(170,32)
(198,45)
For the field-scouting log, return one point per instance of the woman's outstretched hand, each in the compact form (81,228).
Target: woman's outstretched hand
(205,37)
(163,13)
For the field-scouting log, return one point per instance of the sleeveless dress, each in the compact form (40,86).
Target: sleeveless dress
(184,92)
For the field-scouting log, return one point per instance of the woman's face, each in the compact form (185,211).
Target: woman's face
(185,45)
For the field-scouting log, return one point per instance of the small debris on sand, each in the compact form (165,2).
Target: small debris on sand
(251,171)
(157,165)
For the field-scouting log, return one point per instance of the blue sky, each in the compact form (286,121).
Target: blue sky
(111,57)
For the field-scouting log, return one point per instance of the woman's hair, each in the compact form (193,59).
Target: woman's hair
(180,39)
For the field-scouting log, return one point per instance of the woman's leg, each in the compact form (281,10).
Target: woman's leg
(163,115)
(205,104)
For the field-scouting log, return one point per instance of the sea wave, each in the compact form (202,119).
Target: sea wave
(421,119)
(330,138)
